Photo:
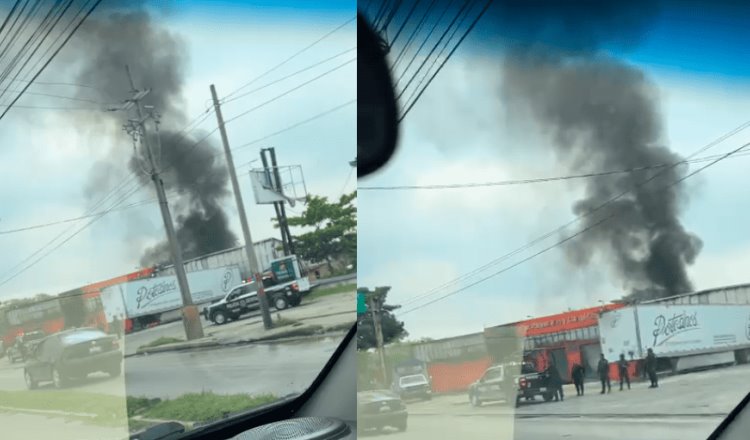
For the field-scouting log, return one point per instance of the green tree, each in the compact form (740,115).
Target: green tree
(331,230)
(393,329)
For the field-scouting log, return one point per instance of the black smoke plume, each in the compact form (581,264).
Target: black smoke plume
(602,114)
(194,175)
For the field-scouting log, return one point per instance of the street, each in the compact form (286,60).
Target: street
(279,369)
(548,428)
(687,406)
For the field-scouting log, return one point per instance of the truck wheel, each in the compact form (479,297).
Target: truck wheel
(295,301)
(280,303)
(219,318)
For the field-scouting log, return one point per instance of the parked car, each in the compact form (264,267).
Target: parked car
(510,382)
(414,386)
(243,299)
(18,352)
(72,355)
(378,409)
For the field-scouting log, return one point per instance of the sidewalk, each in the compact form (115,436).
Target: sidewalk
(324,315)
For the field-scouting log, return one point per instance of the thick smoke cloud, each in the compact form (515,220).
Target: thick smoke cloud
(602,114)
(196,182)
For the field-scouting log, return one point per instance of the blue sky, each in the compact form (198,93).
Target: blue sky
(417,240)
(227,47)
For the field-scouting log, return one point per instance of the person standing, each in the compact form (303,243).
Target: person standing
(622,369)
(651,368)
(555,381)
(603,370)
(577,374)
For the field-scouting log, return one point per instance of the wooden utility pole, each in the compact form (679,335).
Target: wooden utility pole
(249,249)
(375,302)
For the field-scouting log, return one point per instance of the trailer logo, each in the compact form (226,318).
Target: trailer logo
(665,329)
(615,319)
(226,283)
(146,295)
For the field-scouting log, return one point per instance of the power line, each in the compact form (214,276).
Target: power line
(52,57)
(440,54)
(507,268)
(536,180)
(293,89)
(295,125)
(296,54)
(144,202)
(473,24)
(403,24)
(591,211)
(48,23)
(414,33)
(78,231)
(419,49)
(290,75)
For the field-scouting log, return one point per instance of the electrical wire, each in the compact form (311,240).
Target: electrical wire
(537,180)
(403,23)
(52,57)
(290,75)
(296,54)
(580,217)
(424,61)
(414,33)
(473,24)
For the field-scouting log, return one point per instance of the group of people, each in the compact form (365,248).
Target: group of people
(602,369)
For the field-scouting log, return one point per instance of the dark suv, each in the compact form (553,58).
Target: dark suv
(72,354)
(511,383)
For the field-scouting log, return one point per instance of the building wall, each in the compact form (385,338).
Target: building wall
(265,251)
(739,294)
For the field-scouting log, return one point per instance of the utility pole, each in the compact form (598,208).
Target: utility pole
(249,249)
(375,301)
(190,315)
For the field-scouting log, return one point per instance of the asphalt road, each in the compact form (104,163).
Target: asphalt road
(547,428)
(278,369)
(685,407)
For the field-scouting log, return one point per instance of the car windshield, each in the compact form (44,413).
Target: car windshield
(156,155)
(413,380)
(567,191)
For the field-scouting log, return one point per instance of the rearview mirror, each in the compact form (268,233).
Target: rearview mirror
(377,112)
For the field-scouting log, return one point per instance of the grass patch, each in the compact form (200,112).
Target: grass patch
(164,340)
(335,290)
(104,409)
(196,407)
